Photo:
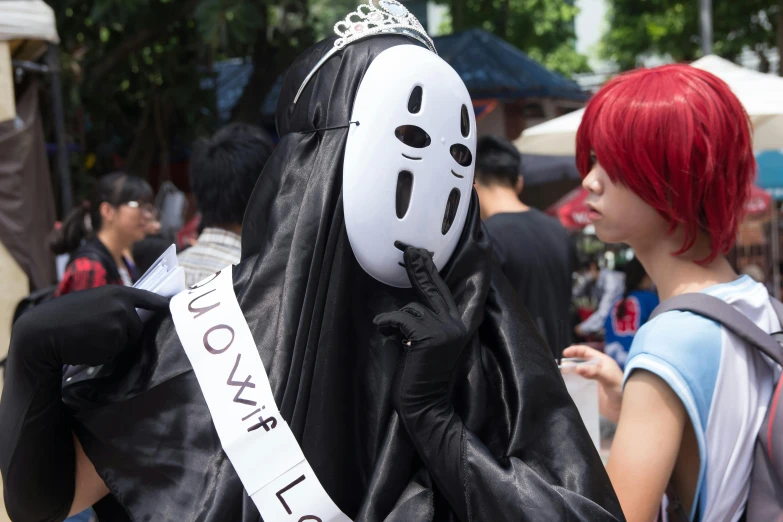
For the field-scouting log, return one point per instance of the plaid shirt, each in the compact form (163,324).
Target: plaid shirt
(90,267)
(215,250)
(84,273)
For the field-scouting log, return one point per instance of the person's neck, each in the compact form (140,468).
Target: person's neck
(496,199)
(675,275)
(235,228)
(115,247)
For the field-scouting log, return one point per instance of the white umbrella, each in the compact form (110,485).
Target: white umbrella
(761,94)
(27,20)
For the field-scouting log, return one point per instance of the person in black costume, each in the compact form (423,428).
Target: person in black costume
(513,446)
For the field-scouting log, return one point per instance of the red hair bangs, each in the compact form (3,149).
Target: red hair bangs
(679,139)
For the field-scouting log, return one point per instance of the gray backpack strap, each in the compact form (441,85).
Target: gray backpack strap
(778,307)
(728,316)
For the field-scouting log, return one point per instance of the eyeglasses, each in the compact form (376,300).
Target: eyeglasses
(148,208)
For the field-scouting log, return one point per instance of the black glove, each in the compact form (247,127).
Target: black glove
(433,336)
(478,485)
(36,445)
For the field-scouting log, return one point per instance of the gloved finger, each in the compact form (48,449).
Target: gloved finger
(416,310)
(397,322)
(428,284)
(143,298)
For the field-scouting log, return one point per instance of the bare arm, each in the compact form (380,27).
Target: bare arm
(646,445)
(90,488)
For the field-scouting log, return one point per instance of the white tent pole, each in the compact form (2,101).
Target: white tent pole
(705,23)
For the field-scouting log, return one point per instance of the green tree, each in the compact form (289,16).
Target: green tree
(639,29)
(544,29)
(136,71)
(133,71)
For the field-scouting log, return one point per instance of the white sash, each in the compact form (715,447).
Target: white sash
(256,439)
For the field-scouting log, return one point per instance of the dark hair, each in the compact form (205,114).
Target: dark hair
(497,161)
(634,273)
(115,189)
(224,170)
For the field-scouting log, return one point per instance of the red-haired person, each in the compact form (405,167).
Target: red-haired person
(666,154)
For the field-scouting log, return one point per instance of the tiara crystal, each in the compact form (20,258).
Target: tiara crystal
(374,17)
(380,16)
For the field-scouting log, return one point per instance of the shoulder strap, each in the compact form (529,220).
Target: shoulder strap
(718,310)
(778,307)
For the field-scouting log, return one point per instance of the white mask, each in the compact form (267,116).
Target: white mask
(408,168)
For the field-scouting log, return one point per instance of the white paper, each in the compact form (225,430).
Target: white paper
(166,262)
(232,378)
(165,277)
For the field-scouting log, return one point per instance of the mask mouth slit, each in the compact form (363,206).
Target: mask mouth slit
(452,204)
(404,191)
(460,176)
(411,157)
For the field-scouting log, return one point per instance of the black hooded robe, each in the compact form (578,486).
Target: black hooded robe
(144,424)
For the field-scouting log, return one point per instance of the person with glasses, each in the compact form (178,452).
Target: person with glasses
(100,231)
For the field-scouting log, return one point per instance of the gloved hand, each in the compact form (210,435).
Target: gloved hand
(37,456)
(88,327)
(478,485)
(433,337)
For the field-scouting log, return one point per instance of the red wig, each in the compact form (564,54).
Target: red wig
(679,139)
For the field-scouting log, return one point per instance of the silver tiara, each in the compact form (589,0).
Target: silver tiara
(374,17)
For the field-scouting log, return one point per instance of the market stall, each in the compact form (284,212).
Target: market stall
(28,35)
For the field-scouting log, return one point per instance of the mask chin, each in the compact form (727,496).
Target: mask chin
(408,165)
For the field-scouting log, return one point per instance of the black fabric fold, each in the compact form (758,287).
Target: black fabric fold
(144,423)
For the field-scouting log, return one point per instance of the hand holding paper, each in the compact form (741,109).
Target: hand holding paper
(165,277)
(83,328)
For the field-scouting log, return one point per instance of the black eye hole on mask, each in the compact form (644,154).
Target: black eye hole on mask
(414,102)
(452,204)
(464,122)
(404,190)
(461,154)
(413,136)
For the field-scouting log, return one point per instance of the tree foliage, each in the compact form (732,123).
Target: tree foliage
(544,29)
(639,29)
(136,72)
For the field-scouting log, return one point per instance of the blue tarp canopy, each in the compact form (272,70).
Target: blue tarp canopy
(489,66)
(493,68)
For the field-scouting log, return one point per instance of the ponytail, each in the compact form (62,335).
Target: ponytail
(75,228)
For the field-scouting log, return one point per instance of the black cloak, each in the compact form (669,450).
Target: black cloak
(144,423)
